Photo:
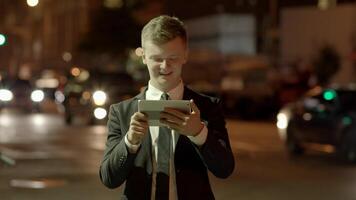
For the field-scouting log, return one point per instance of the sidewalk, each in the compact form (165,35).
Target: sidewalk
(65,181)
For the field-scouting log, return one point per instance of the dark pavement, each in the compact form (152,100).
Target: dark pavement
(62,162)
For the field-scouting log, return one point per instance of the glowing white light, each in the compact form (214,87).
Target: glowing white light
(2,39)
(38,120)
(6,95)
(59,96)
(99,97)
(307,116)
(67,56)
(37,96)
(5,120)
(282,121)
(100,113)
(47,83)
(32,3)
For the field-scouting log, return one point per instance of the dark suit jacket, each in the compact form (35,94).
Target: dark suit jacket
(191,161)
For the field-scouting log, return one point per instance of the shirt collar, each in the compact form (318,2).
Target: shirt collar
(176,93)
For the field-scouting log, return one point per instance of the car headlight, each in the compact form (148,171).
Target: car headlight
(99,97)
(282,121)
(59,96)
(6,95)
(100,113)
(37,96)
(283,118)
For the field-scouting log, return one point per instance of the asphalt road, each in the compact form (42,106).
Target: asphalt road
(55,161)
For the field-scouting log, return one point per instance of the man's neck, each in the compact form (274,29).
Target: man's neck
(175,93)
(164,89)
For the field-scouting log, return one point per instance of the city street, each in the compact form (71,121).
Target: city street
(63,63)
(55,161)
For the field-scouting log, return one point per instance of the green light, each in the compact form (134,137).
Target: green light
(329,95)
(2,39)
(346,120)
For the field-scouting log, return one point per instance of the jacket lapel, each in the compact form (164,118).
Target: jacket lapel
(187,95)
(144,156)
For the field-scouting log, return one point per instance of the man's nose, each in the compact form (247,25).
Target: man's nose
(164,64)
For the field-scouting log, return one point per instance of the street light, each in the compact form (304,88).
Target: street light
(32,3)
(2,39)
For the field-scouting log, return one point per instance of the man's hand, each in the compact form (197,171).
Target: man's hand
(188,124)
(138,128)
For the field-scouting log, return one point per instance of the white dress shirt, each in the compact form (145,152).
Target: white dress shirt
(176,93)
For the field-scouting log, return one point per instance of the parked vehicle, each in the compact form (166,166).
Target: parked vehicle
(325,117)
(89,95)
(246,90)
(48,82)
(20,94)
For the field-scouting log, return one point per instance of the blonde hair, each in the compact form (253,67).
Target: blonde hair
(162,29)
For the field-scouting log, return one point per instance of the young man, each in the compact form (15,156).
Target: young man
(156,163)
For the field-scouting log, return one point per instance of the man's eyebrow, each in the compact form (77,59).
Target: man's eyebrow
(155,56)
(169,56)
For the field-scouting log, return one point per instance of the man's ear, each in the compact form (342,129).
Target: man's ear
(139,52)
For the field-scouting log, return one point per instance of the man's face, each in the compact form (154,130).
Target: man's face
(165,62)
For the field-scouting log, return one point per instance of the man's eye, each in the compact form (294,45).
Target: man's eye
(173,59)
(157,59)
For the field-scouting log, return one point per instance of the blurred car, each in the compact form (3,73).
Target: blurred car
(246,89)
(20,94)
(323,118)
(89,95)
(48,82)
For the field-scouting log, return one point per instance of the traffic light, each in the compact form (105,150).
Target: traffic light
(329,95)
(2,39)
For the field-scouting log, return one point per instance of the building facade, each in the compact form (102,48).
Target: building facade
(43,36)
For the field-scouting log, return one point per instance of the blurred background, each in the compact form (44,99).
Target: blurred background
(285,71)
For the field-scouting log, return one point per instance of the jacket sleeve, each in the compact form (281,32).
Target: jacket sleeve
(216,152)
(117,160)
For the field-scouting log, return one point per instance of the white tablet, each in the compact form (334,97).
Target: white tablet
(153,108)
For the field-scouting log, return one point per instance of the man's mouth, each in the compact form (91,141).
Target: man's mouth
(165,73)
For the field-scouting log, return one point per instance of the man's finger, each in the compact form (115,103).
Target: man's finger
(138,123)
(170,125)
(138,130)
(172,118)
(140,116)
(175,112)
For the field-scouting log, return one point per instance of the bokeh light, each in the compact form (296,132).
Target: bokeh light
(32,3)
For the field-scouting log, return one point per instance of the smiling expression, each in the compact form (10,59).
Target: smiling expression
(164,62)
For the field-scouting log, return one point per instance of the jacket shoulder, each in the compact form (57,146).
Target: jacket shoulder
(202,97)
(125,105)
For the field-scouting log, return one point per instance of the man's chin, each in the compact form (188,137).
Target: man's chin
(166,78)
(167,84)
